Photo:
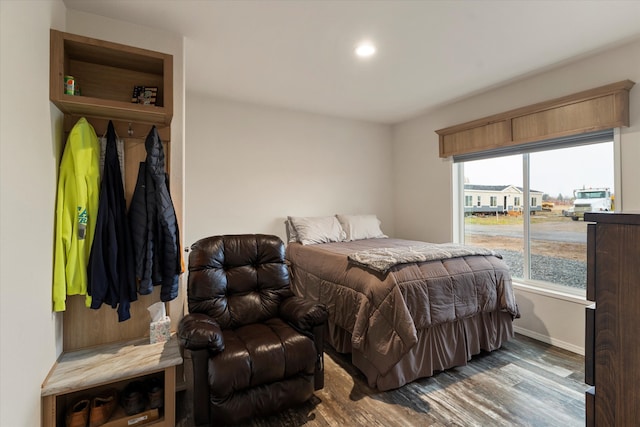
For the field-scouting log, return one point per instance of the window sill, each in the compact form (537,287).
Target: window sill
(552,293)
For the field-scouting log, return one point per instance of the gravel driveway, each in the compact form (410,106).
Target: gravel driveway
(558,270)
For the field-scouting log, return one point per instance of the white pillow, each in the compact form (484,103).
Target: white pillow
(360,227)
(319,229)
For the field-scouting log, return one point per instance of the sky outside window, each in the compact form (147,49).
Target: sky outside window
(564,170)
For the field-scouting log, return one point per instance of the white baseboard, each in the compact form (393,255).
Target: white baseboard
(549,340)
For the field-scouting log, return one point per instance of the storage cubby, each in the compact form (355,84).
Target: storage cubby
(99,352)
(65,401)
(88,373)
(106,74)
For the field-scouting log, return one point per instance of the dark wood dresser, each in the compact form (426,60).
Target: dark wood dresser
(612,345)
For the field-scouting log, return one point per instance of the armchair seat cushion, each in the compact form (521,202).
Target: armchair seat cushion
(258,354)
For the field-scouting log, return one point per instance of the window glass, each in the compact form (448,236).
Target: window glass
(486,226)
(563,184)
(573,181)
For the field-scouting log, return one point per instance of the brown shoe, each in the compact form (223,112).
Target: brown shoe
(102,407)
(133,398)
(155,392)
(78,414)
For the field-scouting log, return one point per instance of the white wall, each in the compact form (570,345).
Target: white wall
(28,165)
(249,167)
(427,215)
(30,146)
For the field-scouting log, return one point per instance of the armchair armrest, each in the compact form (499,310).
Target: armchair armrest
(198,331)
(303,314)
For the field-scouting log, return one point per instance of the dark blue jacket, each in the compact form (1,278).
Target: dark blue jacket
(110,270)
(154,226)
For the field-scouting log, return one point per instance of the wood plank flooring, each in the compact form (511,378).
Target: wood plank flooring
(525,383)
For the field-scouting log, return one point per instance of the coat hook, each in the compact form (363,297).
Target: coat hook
(130,130)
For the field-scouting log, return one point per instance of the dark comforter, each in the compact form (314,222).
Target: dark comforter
(383,312)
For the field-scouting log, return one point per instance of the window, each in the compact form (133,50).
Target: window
(544,241)
(468,200)
(479,201)
(493,201)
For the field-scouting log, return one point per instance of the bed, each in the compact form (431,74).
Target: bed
(401,319)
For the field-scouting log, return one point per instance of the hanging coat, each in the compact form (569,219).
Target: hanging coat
(154,226)
(111,278)
(76,212)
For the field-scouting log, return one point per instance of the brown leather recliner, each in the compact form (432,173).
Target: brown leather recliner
(254,348)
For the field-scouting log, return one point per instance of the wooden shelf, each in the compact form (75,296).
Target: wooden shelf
(106,74)
(105,108)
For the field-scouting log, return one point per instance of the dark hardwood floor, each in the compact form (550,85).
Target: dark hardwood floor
(525,383)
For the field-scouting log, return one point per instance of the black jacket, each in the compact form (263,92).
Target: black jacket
(154,227)
(110,270)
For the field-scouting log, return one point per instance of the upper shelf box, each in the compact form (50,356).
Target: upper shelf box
(106,74)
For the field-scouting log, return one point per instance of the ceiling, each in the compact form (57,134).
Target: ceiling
(299,54)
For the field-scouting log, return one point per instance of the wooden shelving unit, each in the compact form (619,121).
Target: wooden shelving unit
(106,74)
(98,351)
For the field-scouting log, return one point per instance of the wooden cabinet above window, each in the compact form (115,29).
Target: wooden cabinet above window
(605,107)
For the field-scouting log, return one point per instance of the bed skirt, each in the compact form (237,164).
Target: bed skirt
(440,347)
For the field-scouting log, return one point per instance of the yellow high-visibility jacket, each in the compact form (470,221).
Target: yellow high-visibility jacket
(76,212)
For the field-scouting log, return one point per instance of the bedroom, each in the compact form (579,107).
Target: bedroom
(397,157)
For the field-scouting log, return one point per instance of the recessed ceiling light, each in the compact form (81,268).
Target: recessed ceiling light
(365,50)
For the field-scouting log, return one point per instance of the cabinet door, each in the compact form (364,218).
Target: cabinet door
(617,343)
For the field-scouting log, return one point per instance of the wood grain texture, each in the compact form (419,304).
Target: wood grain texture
(526,383)
(106,74)
(591,110)
(617,364)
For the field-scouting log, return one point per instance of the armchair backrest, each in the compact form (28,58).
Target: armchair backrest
(237,279)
